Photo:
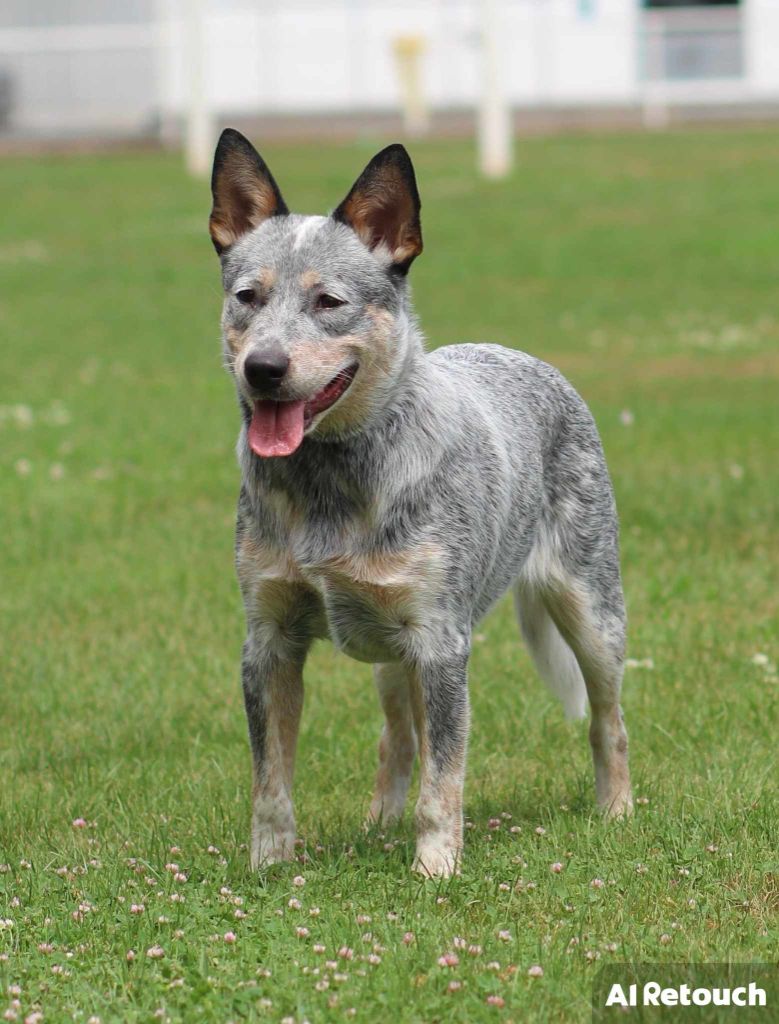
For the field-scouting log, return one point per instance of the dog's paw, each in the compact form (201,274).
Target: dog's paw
(620,806)
(384,812)
(272,848)
(435,860)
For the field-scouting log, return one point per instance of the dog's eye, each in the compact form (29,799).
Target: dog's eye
(329,302)
(246,296)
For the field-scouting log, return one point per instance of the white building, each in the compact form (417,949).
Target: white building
(95,66)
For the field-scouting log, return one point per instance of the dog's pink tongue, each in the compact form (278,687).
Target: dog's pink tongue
(276,428)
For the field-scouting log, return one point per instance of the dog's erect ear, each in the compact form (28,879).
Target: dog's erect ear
(383,207)
(243,188)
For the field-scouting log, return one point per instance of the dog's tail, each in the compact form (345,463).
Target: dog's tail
(552,656)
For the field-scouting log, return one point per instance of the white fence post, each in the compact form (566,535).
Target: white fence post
(494,119)
(199,141)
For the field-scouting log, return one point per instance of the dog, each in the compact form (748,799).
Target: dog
(390,497)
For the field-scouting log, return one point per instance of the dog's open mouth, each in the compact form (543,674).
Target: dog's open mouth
(277,428)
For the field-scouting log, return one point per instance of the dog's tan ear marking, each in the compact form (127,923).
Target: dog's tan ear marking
(383,207)
(245,193)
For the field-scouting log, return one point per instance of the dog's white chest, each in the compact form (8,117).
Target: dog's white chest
(373,602)
(371,605)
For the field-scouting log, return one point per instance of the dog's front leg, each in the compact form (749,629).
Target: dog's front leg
(439,692)
(273,696)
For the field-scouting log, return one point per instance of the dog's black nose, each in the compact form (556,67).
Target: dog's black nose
(265,370)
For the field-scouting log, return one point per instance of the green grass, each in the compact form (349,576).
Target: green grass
(645,267)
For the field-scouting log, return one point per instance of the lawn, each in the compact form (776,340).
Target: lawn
(646,268)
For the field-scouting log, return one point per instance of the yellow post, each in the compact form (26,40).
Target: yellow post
(408,55)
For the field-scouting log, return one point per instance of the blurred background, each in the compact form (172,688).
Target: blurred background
(167,71)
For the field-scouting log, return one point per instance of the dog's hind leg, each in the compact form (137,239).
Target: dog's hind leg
(397,746)
(570,604)
(593,626)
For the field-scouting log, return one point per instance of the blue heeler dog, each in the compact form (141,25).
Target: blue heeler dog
(390,497)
